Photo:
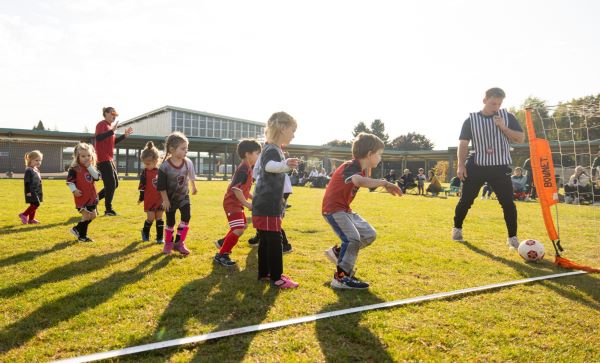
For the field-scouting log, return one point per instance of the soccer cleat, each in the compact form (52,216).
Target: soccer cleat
(341,281)
(219,243)
(254,241)
(145,237)
(85,239)
(286,248)
(74,232)
(333,254)
(224,260)
(457,234)
(111,213)
(168,248)
(23,218)
(513,243)
(180,247)
(34,221)
(285,283)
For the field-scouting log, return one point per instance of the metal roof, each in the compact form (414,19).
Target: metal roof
(174,108)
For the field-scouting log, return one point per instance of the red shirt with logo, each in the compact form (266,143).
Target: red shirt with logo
(242,180)
(83,180)
(148,184)
(340,191)
(105,147)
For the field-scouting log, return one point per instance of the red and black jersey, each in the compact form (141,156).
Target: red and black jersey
(148,192)
(105,141)
(341,191)
(242,180)
(83,180)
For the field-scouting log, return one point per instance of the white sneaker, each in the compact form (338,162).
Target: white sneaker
(457,234)
(513,243)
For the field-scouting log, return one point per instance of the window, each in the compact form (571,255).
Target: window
(202,125)
(209,127)
(194,125)
(187,123)
(217,128)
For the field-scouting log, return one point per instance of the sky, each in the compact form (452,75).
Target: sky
(418,66)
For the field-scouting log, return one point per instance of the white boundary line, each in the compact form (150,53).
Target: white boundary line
(303,319)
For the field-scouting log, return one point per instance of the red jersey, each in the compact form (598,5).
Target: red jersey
(105,147)
(148,192)
(83,180)
(340,191)
(241,180)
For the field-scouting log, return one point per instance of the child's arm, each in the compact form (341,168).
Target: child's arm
(165,200)
(93,172)
(27,178)
(240,196)
(142,186)
(283,166)
(71,179)
(192,175)
(162,189)
(364,182)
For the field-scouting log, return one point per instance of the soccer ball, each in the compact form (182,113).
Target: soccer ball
(531,250)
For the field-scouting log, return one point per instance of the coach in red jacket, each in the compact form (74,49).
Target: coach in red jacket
(105,145)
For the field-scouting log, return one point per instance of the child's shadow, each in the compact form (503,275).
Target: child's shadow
(38,227)
(30,255)
(343,338)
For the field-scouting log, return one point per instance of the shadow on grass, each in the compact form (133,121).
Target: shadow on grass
(30,255)
(226,298)
(343,339)
(72,269)
(584,283)
(69,306)
(18,229)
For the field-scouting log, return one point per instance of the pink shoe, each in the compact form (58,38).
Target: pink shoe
(23,218)
(34,221)
(180,247)
(285,283)
(168,248)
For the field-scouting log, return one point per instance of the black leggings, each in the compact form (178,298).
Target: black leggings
(498,178)
(111,182)
(186,215)
(270,255)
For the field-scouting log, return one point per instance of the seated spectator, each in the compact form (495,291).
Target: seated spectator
(421,177)
(455,185)
(434,187)
(406,181)
(487,191)
(391,176)
(579,186)
(294,178)
(313,173)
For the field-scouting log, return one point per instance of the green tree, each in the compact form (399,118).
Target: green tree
(40,126)
(539,113)
(360,127)
(412,141)
(337,142)
(378,129)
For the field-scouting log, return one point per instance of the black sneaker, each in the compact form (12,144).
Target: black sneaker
(224,260)
(219,243)
(288,206)
(287,248)
(85,239)
(254,241)
(74,232)
(341,281)
(111,213)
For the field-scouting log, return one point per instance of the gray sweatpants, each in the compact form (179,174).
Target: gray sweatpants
(355,233)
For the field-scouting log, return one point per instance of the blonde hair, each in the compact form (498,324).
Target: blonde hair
(277,122)
(365,143)
(150,152)
(77,150)
(32,155)
(173,141)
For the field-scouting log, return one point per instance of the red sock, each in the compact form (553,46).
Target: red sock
(230,241)
(30,211)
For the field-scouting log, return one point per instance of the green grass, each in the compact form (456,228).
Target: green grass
(61,298)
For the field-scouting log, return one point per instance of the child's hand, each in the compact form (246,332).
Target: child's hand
(87,163)
(77,193)
(28,194)
(248,205)
(194,190)
(167,205)
(393,189)
(292,162)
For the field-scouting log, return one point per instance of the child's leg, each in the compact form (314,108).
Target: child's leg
(32,212)
(86,219)
(263,264)
(342,224)
(182,230)
(160,225)
(274,253)
(169,231)
(237,226)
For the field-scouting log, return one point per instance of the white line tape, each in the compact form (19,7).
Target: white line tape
(304,319)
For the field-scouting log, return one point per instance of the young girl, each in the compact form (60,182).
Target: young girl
(174,174)
(80,179)
(421,177)
(268,203)
(33,186)
(435,187)
(149,194)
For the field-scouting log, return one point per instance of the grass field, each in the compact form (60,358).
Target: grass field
(62,299)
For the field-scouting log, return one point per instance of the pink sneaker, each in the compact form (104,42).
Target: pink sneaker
(285,283)
(23,218)
(168,248)
(180,247)
(34,221)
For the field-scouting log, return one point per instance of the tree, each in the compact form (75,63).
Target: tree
(360,127)
(40,126)
(337,142)
(86,130)
(412,141)
(378,129)
(539,113)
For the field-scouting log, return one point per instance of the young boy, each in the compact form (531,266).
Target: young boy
(236,198)
(355,232)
